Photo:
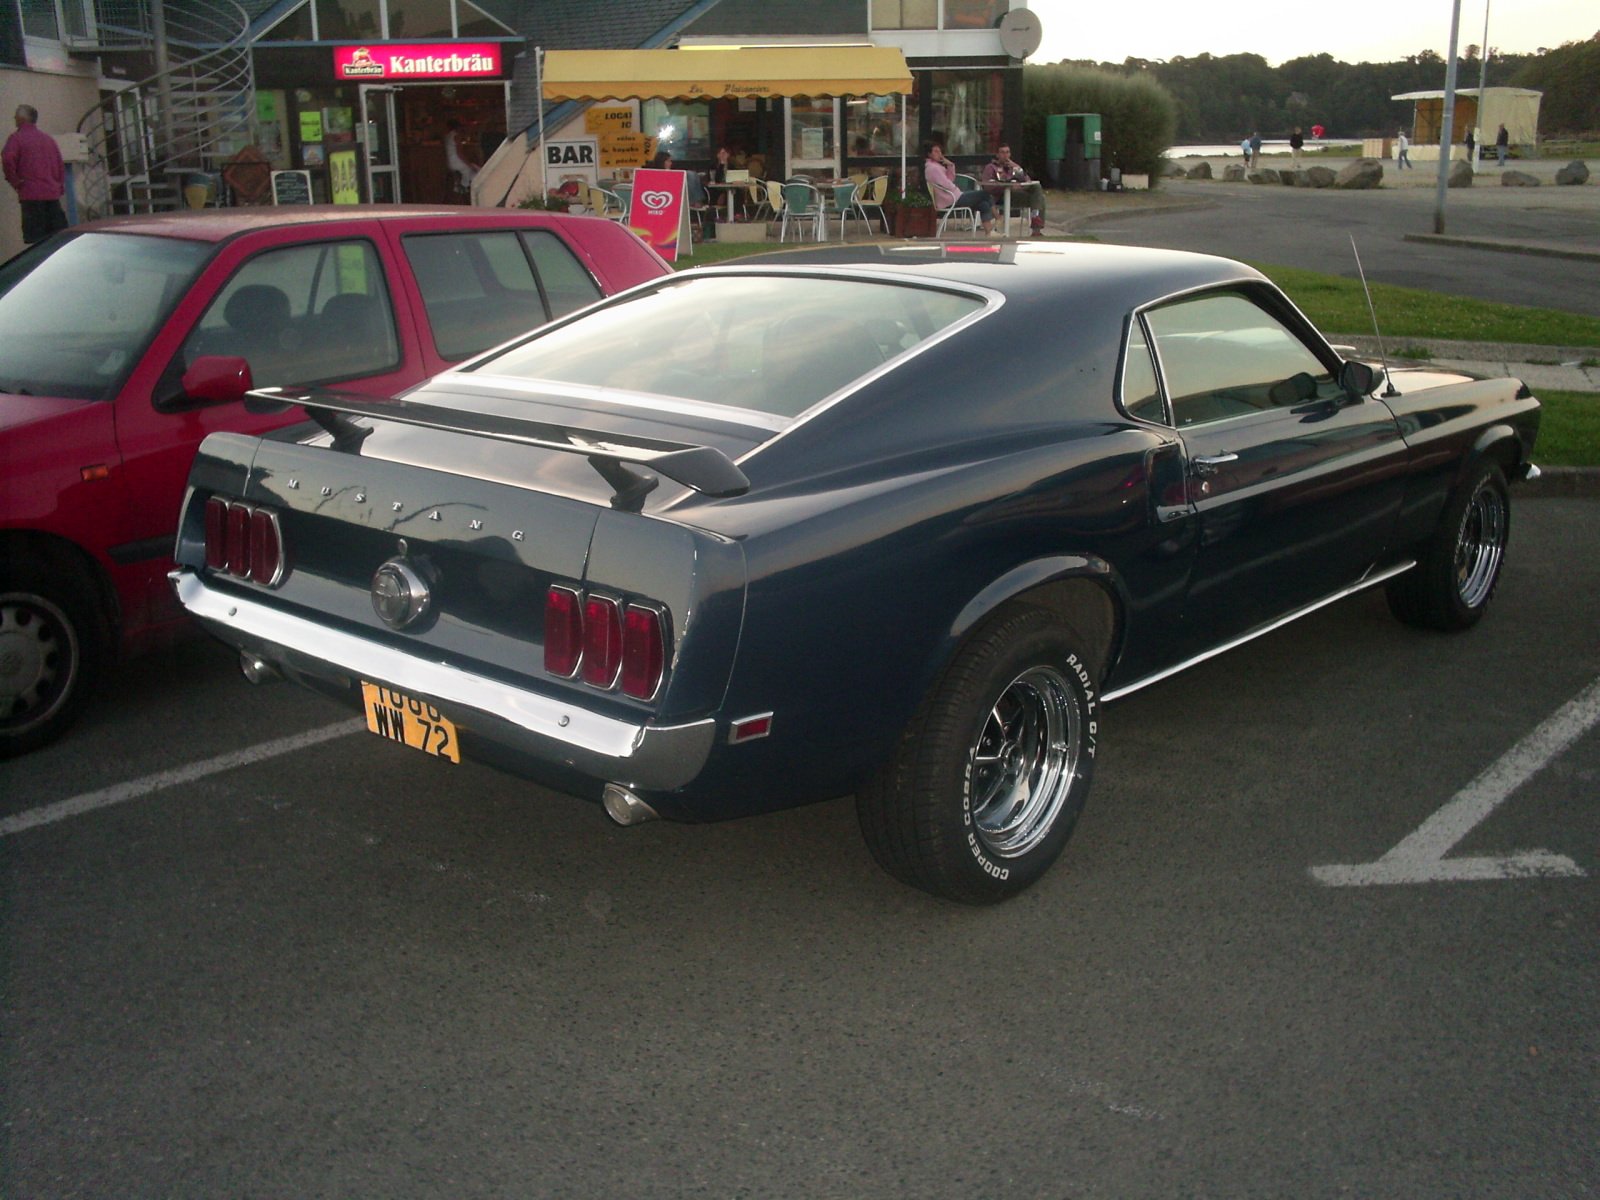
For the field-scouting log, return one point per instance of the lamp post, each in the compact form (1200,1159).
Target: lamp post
(1447,124)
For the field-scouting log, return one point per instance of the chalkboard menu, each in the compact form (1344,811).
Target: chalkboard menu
(291,187)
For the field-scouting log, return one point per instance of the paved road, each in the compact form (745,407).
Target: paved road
(347,971)
(1312,229)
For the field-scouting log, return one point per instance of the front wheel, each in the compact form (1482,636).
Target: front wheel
(987,783)
(51,647)
(1456,573)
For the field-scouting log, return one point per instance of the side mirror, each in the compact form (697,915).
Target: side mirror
(1358,378)
(217,379)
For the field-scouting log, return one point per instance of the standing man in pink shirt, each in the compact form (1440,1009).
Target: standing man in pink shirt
(33,166)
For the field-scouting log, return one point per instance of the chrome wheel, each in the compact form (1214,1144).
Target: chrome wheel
(1024,762)
(39,660)
(1480,543)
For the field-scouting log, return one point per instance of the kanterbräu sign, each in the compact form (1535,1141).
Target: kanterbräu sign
(417,60)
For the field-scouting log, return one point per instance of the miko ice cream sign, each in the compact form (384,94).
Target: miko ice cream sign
(398,61)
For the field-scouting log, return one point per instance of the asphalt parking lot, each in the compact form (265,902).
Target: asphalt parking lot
(1327,928)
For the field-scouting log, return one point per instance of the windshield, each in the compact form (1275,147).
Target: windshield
(74,324)
(776,344)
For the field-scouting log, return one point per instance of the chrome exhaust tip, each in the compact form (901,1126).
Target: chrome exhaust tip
(257,669)
(623,807)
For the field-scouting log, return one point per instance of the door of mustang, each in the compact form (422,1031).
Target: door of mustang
(1294,483)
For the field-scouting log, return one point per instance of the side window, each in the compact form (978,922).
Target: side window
(303,314)
(567,286)
(1141,396)
(1224,356)
(479,289)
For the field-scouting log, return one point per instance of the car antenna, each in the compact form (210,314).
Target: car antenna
(1389,389)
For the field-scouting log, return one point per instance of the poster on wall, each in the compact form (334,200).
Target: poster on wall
(342,182)
(609,118)
(311,125)
(272,135)
(659,213)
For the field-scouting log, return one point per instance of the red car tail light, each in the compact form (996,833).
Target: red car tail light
(602,641)
(245,542)
(563,631)
(644,651)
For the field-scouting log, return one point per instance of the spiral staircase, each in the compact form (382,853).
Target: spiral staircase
(189,116)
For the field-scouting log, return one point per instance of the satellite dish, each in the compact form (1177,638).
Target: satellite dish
(1020,32)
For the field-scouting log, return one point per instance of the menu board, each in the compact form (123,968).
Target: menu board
(291,187)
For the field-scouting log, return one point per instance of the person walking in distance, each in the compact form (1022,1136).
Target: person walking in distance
(1502,143)
(1296,142)
(33,166)
(1401,144)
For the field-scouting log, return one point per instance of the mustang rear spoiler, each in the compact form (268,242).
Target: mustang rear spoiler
(705,469)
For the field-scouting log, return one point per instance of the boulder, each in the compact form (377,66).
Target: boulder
(1264,175)
(1296,179)
(1460,174)
(1198,171)
(1575,171)
(1171,170)
(1233,173)
(1319,176)
(1363,173)
(1518,179)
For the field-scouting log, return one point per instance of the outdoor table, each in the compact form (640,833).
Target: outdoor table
(1008,186)
(733,189)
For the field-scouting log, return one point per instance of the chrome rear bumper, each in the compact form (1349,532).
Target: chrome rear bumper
(546,729)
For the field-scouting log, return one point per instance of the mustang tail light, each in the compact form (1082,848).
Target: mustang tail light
(244,541)
(604,642)
(644,652)
(563,631)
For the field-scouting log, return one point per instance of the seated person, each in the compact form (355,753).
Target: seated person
(940,174)
(1004,170)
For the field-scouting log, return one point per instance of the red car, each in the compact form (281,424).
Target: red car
(100,413)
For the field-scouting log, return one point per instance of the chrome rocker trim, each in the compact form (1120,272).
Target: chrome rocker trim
(651,757)
(1258,631)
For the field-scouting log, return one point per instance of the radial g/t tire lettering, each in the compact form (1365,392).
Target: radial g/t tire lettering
(986,784)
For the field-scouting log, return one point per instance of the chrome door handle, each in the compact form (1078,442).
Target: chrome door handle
(1207,464)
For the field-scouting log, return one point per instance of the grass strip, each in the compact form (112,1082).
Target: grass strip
(1569,429)
(1337,305)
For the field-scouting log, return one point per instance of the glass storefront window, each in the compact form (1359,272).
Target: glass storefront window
(419,19)
(974,14)
(968,111)
(682,129)
(905,14)
(348,20)
(872,126)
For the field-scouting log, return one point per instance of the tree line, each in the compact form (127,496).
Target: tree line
(1221,98)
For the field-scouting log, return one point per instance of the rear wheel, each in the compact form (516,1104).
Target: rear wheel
(51,645)
(1459,567)
(987,782)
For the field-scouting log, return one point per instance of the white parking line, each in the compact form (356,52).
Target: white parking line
(133,789)
(1420,858)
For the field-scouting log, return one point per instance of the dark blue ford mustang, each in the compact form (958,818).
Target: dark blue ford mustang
(748,537)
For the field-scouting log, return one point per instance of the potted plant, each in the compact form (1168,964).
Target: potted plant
(913,214)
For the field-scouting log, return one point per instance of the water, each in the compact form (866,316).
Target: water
(1268,146)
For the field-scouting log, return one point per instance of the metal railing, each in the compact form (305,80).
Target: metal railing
(188,117)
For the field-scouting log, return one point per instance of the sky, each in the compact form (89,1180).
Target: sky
(1352,31)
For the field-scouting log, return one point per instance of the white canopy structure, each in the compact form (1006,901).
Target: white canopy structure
(1516,108)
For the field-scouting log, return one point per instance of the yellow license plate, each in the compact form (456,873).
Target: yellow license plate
(413,723)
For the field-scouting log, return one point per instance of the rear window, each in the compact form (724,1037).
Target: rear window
(77,321)
(486,287)
(773,344)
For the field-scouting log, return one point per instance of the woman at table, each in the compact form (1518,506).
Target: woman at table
(940,173)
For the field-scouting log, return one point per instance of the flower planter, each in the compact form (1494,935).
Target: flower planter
(910,222)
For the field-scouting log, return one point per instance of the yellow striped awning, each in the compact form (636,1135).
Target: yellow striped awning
(715,74)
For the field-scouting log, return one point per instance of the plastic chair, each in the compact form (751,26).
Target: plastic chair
(843,198)
(801,203)
(967,183)
(968,213)
(870,199)
(607,204)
